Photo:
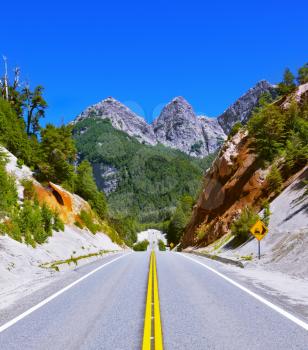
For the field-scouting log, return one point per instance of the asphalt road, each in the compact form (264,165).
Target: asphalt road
(199,310)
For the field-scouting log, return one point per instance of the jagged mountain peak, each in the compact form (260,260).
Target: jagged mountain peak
(110,99)
(177,109)
(122,118)
(178,127)
(179,100)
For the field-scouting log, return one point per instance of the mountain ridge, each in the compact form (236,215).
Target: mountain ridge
(178,126)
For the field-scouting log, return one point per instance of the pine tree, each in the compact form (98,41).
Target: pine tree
(288,84)
(57,153)
(267,127)
(274,180)
(303,74)
(86,187)
(34,105)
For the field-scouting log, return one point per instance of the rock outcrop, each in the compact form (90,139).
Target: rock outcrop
(68,205)
(234,181)
(213,133)
(106,177)
(242,108)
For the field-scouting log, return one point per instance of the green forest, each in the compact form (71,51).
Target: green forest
(151,179)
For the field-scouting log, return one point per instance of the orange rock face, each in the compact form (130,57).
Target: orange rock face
(66,204)
(234,181)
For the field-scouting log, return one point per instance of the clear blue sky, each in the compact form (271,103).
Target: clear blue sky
(144,52)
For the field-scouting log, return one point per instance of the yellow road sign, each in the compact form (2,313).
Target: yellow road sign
(171,245)
(259,230)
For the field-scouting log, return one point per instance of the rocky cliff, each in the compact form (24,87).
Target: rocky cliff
(178,126)
(234,181)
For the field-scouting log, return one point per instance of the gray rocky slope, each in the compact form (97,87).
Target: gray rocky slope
(178,126)
(241,109)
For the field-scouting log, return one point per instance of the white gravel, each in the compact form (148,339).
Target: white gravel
(20,271)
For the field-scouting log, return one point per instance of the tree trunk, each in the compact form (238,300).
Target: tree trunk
(28,123)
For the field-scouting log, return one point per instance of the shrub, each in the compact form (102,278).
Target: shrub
(8,191)
(296,155)
(78,224)
(241,226)
(87,219)
(11,226)
(29,240)
(274,180)
(235,129)
(58,224)
(161,245)
(266,212)
(141,246)
(202,231)
(29,191)
(47,218)
(32,224)
(20,163)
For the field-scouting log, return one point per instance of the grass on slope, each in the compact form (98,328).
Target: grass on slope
(73,260)
(151,178)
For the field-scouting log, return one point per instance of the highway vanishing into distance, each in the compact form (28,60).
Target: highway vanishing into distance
(103,306)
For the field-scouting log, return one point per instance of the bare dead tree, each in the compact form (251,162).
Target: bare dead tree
(16,78)
(5,82)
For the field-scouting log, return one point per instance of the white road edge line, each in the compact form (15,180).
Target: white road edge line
(53,296)
(254,295)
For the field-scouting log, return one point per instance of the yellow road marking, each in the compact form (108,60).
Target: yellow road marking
(152,299)
(147,333)
(157,322)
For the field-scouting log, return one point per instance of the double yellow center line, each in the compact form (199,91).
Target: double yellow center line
(152,334)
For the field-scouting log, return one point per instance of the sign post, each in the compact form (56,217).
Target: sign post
(259,230)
